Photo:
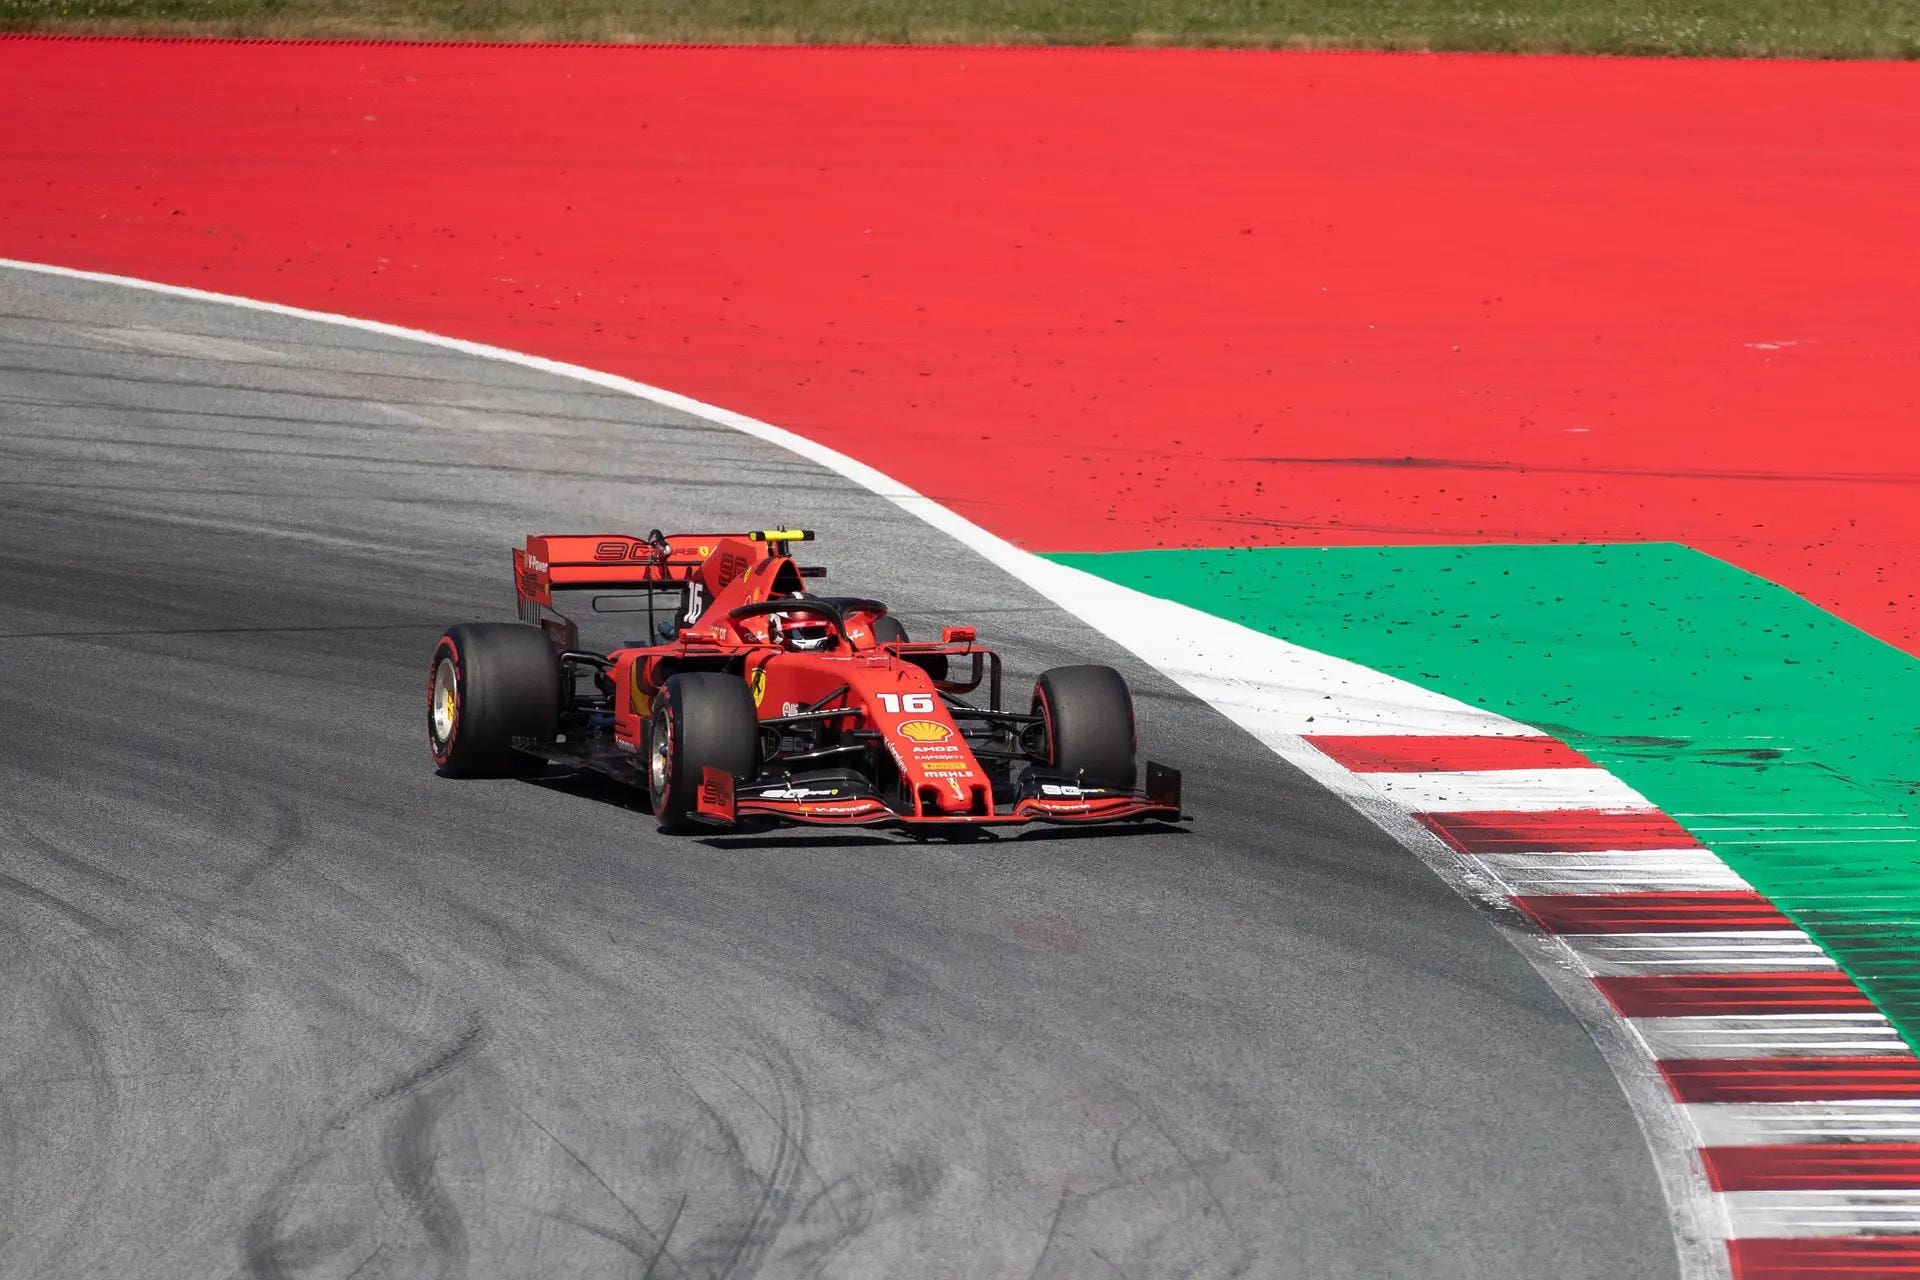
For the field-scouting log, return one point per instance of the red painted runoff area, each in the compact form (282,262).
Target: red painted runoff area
(1652,912)
(1791,1079)
(1558,830)
(1848,1258)
(1101,299)
(1445,753)
(1733,995)
(1814,1166)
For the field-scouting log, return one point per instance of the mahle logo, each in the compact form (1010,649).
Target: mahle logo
(925,731)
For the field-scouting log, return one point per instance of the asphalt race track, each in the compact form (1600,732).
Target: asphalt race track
(278,1001)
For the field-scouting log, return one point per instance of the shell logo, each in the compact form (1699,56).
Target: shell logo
(925,731)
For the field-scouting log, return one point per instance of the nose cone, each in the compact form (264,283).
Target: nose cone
(935,762)
(951,794)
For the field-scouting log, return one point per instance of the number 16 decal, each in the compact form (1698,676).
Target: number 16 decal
(913,704)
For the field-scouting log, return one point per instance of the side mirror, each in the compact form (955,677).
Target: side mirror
(958,635)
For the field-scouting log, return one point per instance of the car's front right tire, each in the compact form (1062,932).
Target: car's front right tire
(490,683)
(701,720)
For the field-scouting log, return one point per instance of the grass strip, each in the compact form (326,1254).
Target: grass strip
(1692,28)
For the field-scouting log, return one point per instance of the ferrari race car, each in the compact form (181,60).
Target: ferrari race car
(745,696)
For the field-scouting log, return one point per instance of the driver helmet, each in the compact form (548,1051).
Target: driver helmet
(800,632)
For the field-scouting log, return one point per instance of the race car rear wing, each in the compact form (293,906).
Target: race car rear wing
(617,559)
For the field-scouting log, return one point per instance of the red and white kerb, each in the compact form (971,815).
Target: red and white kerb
(1804,1101)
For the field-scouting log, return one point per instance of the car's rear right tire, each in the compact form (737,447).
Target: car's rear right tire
(490,683)
(701,720)
(1087,724)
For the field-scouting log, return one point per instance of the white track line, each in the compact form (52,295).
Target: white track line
(1511,790)
(1768,1124)
(1276,691)
(1773,1214)
(1781,1035)
(1633,871)
(1755,951)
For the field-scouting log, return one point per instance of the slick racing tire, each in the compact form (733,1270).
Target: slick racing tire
(1087,727)
(701,720)
(887,629)
(491,682)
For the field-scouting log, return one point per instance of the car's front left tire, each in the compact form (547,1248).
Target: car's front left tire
(1087,725)
(490,683)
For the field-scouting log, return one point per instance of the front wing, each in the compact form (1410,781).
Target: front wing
(723,802)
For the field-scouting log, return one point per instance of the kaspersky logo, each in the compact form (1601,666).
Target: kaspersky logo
(925,731)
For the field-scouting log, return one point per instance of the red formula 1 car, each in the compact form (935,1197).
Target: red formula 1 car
(745,695)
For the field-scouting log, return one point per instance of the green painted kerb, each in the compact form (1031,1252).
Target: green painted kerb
(1786,740)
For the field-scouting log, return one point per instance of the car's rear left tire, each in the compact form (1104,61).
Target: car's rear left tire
(490,683)
(701,720)
(1087,725)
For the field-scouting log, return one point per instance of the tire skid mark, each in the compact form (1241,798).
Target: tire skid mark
(650,1251)
(288,834)
(739,1246)
(180,937)
(1187,1162)
(790,1101)
(471,1040)
(1150,1182)
(1053,1230)
(412,1161)
(271,1248)
(655,1248)
(139,937)
(775,1117)
(60,906)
